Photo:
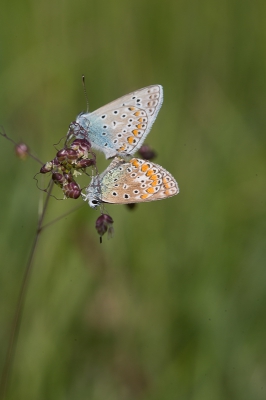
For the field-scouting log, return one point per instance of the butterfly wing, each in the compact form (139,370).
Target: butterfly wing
(120,127)
(136,181)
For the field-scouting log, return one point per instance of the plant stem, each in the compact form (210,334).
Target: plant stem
(20,302)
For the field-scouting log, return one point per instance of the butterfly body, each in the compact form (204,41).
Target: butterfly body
(135,181)
(120,127)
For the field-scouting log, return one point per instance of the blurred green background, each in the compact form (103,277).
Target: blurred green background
(174,306)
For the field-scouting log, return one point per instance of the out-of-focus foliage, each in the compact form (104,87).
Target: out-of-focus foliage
(173,307)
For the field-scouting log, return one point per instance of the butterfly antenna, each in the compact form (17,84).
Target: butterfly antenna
(85,92)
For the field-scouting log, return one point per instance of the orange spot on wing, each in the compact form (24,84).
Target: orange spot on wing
(144,167)
(149,173)
(137,113)
(122,148)
(134,162)
(140,119)
(155,183)
(154,177)
(150,190)
(165,179)
(167,193)
(167,185)
(132,108)
(144,196)
(130,139)
(135,132)
(139,126)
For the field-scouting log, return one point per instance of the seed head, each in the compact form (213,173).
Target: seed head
(104,224)
(21,150)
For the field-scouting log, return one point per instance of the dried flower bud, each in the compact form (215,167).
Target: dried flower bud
(82,146)
(49,166)
(58,179)
(66,155)
(104,224)
(146,152)
(21,150)
(69,177)
(72,190)
(46,167)
(84,163)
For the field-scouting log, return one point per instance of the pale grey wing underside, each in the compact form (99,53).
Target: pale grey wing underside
(136,181)
(120,127)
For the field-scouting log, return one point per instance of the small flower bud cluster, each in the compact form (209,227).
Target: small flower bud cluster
(66,163)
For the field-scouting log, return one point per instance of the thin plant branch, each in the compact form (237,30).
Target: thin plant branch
(60,217)
(17,144)
(20,302)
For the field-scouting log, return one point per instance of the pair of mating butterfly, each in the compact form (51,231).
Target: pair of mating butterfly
(119,129)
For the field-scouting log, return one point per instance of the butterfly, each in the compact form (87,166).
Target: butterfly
(135,181)
(120,127)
